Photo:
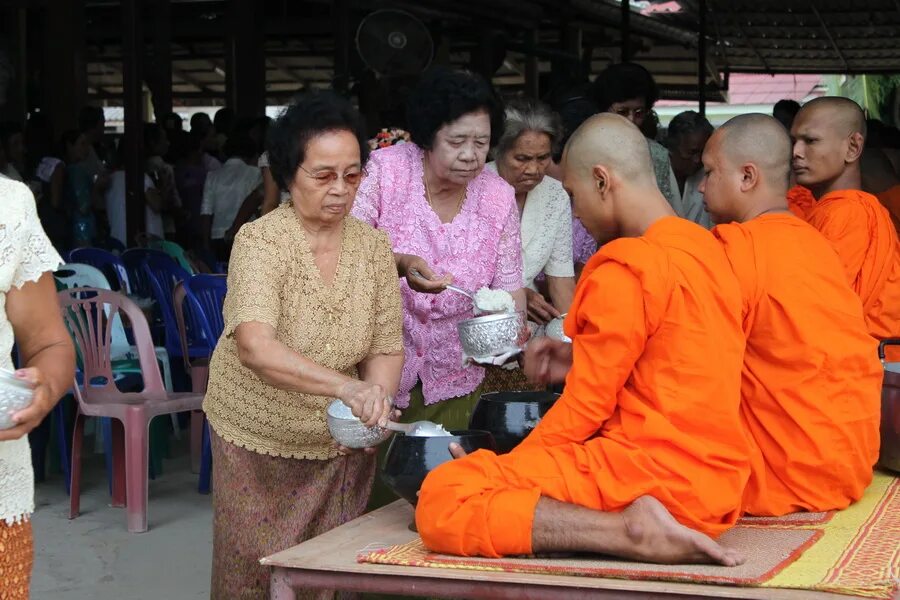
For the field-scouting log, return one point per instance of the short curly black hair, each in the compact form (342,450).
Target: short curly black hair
(624,81)
(442,96)
(310,114)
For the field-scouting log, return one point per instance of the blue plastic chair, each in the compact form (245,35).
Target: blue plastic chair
(204,298)
(109,264)
(134,259)
(163,273)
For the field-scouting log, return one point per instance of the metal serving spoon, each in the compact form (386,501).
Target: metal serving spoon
(419,429)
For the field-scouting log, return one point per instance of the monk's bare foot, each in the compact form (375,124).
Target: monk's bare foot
(655,536)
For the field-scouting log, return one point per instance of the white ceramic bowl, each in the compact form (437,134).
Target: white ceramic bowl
(15,395)
(349,431)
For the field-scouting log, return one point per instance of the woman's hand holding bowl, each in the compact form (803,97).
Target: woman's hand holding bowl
(368,401)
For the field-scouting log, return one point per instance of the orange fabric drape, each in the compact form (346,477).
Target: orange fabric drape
(811,383)
(651,404)
(861,232)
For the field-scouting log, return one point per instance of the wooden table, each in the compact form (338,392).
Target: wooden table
(329,562)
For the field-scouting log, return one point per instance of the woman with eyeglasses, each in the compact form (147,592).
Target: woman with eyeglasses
(312,313)
(629,90)
(449,220)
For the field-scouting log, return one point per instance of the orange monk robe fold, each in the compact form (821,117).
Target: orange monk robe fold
(811,385)
(651,405)
(890,199)
(800,201)
(861,232)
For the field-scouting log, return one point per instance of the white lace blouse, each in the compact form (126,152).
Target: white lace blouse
(25,254)
(546,232)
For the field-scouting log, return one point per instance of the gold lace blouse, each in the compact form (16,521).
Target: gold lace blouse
(272,279)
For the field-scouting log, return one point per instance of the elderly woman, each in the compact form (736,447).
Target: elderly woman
(523,154)
(312,314)
(628,89)
(449,219)
(29,311)
(687,136)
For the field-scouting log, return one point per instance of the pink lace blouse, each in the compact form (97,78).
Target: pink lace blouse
(480,247)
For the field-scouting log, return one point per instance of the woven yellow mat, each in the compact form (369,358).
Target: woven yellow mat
(855,551)
(859,553)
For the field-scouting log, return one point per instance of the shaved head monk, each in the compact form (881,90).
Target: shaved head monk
(829,135)
(642,456)
(811,385)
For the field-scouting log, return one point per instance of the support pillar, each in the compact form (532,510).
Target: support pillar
(701,57)
(64,83)
(159,64)
(132,59)
(245,80)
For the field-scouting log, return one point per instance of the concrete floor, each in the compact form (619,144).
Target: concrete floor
(94,557)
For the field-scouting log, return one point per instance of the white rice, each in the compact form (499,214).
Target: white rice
(494,301)
(439,432)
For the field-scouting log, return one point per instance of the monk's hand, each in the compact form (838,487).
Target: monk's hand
(547,361)
(368,401)
(419,275)
(31,416)
(539,310)
(456,451)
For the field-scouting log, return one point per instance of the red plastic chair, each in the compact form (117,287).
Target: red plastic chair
(89,314)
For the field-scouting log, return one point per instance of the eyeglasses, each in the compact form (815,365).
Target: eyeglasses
(328,177)
(630,113)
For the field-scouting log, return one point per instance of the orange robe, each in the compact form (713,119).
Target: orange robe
(651,404)
(890,199)
(861,232)
(800,200)
(811,385)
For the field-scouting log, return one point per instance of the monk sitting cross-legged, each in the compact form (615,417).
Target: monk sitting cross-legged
(642,456)
(829,135)
(811,389)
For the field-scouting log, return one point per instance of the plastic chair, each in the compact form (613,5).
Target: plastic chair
(84,311)
(134,258)
(112,244)
(163,274)
(199,300)
(176,252)
(72,275)
(110,264)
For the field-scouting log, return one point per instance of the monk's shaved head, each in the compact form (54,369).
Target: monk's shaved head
(608,172)
(829,135)
(747,164)
(761,140)
(844,114)
(611,140)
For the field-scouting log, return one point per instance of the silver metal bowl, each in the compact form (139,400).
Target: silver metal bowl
(493,335)
(554,330)
(349,431)
(15,395)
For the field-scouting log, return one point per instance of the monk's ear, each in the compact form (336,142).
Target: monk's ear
(601,179)
(749,176)
(855,147)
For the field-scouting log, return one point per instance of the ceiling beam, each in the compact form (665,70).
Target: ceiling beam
(834,45)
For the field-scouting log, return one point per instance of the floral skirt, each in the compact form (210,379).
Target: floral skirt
(16,559)
(264,504)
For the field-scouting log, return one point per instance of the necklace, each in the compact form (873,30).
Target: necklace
(428,194)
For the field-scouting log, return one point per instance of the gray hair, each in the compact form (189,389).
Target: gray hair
(684,124)
(524,115)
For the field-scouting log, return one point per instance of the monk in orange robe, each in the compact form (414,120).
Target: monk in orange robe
(800,201)
(880,179)
(829,135)
(648,427)
(811,385)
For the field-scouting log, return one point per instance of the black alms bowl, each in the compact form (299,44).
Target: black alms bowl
(510,416)
(890,421)
(409,459)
